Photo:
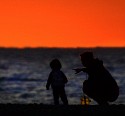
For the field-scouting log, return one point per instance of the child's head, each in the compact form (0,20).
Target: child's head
(55,64)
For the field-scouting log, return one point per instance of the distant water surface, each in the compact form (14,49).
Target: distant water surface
(24,72)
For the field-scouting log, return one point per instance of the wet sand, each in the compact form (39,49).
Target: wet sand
(61,110)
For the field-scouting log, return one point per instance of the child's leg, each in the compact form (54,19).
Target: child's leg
(63,96)
(56,97)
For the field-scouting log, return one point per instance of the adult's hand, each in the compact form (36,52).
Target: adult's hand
(77,70)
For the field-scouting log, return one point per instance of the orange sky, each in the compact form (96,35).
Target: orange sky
(62,23)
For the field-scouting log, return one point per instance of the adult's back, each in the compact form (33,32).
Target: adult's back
(104,83)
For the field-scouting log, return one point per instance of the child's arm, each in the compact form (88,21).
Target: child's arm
(49,81)
(65,78)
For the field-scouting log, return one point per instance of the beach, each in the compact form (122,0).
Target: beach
(61,110)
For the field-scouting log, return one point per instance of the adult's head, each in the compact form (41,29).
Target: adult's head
(55,64)
(87,58)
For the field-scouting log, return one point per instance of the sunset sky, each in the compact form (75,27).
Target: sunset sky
(62,23)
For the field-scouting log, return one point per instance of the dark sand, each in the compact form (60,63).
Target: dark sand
(61,110)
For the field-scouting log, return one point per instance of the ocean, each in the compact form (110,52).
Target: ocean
(24,73)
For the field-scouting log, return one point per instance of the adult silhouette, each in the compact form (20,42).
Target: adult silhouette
(100,85)
(57,80)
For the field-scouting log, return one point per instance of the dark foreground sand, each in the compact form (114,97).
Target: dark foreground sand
(61,110)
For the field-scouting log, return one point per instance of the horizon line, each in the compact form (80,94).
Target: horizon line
(43,47)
